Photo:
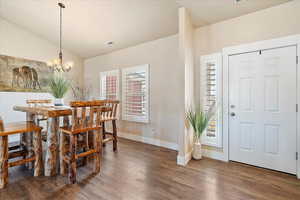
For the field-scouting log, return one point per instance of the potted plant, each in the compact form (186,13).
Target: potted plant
(199,120)
(59,86)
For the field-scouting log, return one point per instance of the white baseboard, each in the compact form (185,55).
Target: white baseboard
(217,155)
(183,160)
(148,140)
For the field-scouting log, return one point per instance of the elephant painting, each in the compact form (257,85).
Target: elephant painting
(28,75)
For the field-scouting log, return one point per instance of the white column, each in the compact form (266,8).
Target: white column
(186,32)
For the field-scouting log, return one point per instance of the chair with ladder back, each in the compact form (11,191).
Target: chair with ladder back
(86,120)
(109,114)
(8,153)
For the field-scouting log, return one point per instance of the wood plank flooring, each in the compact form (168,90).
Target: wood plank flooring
(140,171)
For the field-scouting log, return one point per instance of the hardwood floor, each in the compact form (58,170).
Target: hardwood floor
(140,171)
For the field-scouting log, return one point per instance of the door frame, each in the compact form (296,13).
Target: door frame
(246,48)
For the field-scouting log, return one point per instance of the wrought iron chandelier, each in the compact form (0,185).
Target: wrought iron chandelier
(57,64)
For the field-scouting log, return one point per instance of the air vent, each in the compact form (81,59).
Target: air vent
(110,43)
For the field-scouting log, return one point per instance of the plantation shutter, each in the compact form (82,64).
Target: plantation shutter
(109,85)
(211,92)
(135,94)
(211,89)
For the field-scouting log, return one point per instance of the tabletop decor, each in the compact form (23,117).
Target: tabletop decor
(81,93)
(59,86)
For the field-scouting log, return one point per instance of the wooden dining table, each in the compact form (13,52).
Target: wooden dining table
(53,115)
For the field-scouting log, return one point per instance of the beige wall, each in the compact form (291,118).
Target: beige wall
(275,22)
(279,21)
(18,42)
(167,71)
(270,23)
(166,85)
(15,41)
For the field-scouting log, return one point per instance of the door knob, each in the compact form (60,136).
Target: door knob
(232,114)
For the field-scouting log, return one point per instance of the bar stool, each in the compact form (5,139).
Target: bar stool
(7,153)
(82,125)
(109,114)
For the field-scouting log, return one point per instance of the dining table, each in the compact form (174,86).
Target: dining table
(54,115)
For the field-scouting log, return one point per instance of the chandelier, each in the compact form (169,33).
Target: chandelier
(57,64)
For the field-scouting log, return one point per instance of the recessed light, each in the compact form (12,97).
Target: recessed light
(237,1)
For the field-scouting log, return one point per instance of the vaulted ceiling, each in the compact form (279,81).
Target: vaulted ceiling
(89,24)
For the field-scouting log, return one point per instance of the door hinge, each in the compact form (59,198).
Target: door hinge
(296,155)
(297,59)
(296,107)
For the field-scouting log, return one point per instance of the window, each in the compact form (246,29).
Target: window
(211,66)
(135,94)
(109,85)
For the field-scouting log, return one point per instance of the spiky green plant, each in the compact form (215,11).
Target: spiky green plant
(59,86)
(199,119)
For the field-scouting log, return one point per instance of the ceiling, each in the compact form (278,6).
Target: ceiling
(89,24)
(211,11)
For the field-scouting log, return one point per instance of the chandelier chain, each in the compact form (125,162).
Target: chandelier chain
(60,34)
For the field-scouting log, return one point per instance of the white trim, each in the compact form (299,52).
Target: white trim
(217,59)
(134,118)
(148,140)
(217,155)
(183,160)
(298,115)
(261,45)
(225,103)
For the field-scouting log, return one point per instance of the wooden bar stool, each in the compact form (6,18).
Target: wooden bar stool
(109,114)
(6,154)
(82,125)
(27,138)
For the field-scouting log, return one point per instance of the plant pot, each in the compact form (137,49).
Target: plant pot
(58,102)
(197,150)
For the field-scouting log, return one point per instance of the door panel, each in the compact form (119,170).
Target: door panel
(262,101)
(271,139)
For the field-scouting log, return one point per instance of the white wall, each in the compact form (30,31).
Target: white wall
(166,86)
(9,99)
(17,42)
(274,22)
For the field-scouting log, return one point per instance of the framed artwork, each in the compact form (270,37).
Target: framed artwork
(23,75)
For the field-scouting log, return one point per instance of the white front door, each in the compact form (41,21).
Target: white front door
(262,105)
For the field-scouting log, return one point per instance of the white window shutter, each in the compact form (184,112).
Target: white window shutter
(135,94)
(211,66)
(109,85)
